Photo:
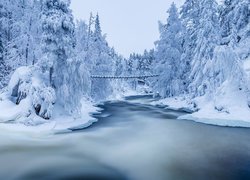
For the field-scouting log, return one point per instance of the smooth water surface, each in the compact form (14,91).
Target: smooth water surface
(131,140)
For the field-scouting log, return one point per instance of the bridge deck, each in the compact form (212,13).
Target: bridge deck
(122,77)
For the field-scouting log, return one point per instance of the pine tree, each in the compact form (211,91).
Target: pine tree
(20,24)
(65,71)
(2,62)
(58,37)
(168,55)
(190,19)
(234,13)
(190,12)
(82,36)
(102,63)
(3,67)
(208,37)
(20,33)
(234,20)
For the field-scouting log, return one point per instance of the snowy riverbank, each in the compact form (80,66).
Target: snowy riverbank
(19,118)
(234,114)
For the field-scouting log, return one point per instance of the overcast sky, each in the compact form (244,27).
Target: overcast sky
(130,25)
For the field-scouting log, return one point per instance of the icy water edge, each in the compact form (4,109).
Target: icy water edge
(131,140)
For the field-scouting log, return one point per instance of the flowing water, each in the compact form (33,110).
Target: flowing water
(131,140)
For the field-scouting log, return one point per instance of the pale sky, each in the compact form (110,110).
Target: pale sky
(130,25)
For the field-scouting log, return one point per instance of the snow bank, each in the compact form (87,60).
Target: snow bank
(176,103)
(18,118)
(29,104)
(228,108)
(64,121)
(234,115)
(212,117)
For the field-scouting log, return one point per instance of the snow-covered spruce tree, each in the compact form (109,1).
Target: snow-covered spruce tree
(93,50)
(131,64)
(102,63)
(144,62)
(190,19)
(20,32)
(140,64)
(208,37)
(82,38)
(4,40)
(24,32)
(82,56)
(3,67)
(32,31)
(168,56)
(133,69)
(215,70)
(190,12)
(118,63)
(119,69)
(235,18)
(63,69)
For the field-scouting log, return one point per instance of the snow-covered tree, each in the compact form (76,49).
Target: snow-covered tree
(97,57)
(24,32)
(144,62)
(131,64)
(118,63)
(82,38)
(190,19)
(82,56)
(168,55)
(59,62)
(235,18)
(58,38)
(208,37)
(190,12)
(3,67)
(20,32)
(102,63)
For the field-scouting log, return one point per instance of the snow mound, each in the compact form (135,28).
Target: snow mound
(229,107)
(29,104)
(18,118)
(176,103)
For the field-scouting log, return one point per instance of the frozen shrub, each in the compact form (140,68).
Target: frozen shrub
(24,84)
(43,100)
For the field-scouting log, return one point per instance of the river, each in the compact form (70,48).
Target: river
(131,140)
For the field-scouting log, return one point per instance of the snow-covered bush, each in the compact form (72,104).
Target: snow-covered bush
(27,84)
(228,79)
(19,85)
(43,100)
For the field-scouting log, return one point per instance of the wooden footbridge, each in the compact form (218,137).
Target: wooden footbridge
(124,77)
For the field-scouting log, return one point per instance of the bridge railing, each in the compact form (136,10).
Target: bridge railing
(124,77)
